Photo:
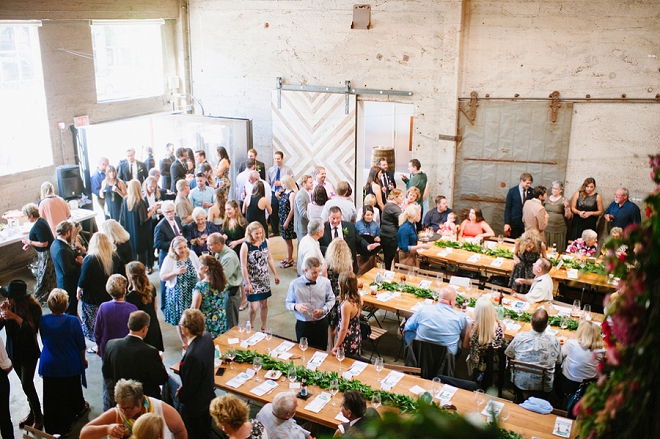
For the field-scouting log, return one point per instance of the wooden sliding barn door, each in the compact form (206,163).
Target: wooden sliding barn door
(313,129)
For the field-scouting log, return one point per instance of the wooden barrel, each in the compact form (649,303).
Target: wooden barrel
(383,152)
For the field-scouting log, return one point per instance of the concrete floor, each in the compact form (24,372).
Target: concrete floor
(279,319)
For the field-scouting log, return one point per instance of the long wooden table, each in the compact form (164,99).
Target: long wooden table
(522,421)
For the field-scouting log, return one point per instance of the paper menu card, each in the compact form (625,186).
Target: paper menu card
(316,360)
(416,390)
(493,408)
(572,273)
(241,378)
(357,368)
(319,402)
(256,338)
(264,387)
(497,262)
(391,379)
(424,284)
(474,258)
(342,418)
(384,297)
(283,347)
(563,427)
(389,275)
(446,392)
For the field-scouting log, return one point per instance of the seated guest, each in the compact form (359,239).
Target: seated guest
(197,232)
(440,323)
(112,317)
(581,356)
(449,230)
(131,405)
(370,200)
(617,233)
(622,212)
(541,287)
(406,236)
(475,226)
(148,426)
(535,347)
(231,415)
(486,331)
(277,418)
(585,246)
(343,201)
(367,227)
(527,250)
(412,195)
(436,218)
(354,408)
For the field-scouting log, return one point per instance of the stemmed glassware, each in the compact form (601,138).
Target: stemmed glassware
(340,356)
(241,330)
(334,388)
(575,311)
(480,399)
(587,312)
(500,239)
(375,400)
(435,389)
(256,365)
(505,413)
(269,335)
(303,347)
(292,375)
(230,353)
(563,323)
(379,364)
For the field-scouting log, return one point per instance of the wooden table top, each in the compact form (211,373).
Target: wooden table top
(522,421)
(455,256)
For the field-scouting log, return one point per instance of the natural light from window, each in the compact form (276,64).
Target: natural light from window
(128,59)
(24,136)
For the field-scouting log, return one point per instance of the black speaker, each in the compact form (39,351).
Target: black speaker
(69,183)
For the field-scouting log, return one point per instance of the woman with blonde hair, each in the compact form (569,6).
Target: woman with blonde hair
(142,294)
(148,426)
(349,336)
(286,212)
(370,200)
(338,259)
(100,263)
(581,356)
(255,260)
(528,248)
(179,272)
(412,195)
(40,237)
(153,200)
(120,238)
(51,207)
(135,218)
(113,189)
(231,415)
(484,332)
(407,234)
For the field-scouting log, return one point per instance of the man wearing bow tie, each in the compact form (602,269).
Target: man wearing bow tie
(310,297)
(542,285)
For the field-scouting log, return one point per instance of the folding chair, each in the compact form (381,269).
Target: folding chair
(373,334)
(534,369)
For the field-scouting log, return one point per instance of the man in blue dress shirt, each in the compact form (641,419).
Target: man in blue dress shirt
(97,178)
(440,323)
(622,212)
(310,297)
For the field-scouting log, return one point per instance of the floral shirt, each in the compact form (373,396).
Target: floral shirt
(535,348)
(579,247)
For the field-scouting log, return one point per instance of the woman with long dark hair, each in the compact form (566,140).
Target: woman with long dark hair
(143,295)
(587,207)
(222,179)
(21,316)
(349,335)
(209,295)
(259,205)
(373,187)
(113,189)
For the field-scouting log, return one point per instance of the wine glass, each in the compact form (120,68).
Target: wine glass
(334,388)
(505,413)
(575,311)
(520,312)
(269,335)
(381,268)
(411,274)
(469,286)
(230,353)
(587,312)
(292,375)
(340,356)
(563,323)
(379,364)
(479,398)
(303,346)
(439,280)
(375,400)
(256,365)
(241,330)
(436,387)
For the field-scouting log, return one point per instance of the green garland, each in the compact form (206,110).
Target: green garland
(552,320)
(476,248)
(583,266)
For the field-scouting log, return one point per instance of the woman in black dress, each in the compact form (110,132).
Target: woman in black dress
(234,226)
(113,190)
(135,218)
(259,205)
(587,207)
(143,295)
(120,238)
(21,315)
(152,198)
(40,237)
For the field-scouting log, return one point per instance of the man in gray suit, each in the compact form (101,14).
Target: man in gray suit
(300,218)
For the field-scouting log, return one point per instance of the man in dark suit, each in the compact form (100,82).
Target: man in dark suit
(260,167)
(513,209)
(179,168)
(354,408)
(166,230)
(67,264)
(131,358)
(387,181)
(130,168)
(165,165)
(196,369)
(336,228)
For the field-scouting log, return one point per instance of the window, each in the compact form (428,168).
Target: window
(25,138)
(128,59)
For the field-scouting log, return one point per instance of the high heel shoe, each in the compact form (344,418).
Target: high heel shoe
(38,422)
(28,420)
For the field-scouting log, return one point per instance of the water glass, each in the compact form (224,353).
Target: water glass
(505,413)
(375,400)
(269,336)
(340,356)
(291,374)
(500,239)
(334,388)
(241,330)
(303,346)
(436,387)
(587,312)
(479,399)
(563,324)
(256,365)
(379,364)
(576,308)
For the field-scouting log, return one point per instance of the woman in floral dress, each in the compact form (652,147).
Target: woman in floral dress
(526,251)
(287,198)
(179,272)
(349,335)
(209,295)
(255,260)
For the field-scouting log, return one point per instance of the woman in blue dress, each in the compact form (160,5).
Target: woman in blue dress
(255,260)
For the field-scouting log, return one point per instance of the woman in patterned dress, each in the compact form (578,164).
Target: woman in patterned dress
(349,335)
(559,210)
(179,272)
(338,258)
(232,416)
(209,295)
(526,251)
(223,183)
(287,198)
(255,260)
(486,331)
(40,237)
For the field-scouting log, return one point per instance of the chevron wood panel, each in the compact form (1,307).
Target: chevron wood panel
(312,130)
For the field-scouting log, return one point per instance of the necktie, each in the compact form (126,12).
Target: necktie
(311,282)
(277,177)
(175,228)
(335,233)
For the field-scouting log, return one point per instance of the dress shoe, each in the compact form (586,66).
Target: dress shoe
(39,422)
(28,420)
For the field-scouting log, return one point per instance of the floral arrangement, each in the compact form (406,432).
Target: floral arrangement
(580,248)
(624,401)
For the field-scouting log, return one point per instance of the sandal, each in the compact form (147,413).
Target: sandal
(286,263)
(82,412)
(243,306)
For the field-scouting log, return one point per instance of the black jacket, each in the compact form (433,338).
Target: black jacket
(197,386)
(355,242)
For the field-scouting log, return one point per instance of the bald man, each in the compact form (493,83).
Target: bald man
(441,323)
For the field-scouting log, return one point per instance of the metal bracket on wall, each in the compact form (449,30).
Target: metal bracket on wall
(554,106)
(347,90)
(473,104)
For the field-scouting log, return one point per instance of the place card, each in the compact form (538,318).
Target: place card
(384,297)
(572,273)
(316,360)
(563,311)
(285,355)
(417,390)
(550,331)
(256,338)
(241,378)
(416,307)
(356,369)
(520,305)
(389,275)
(492,409)
(446,392)
(244,344)
(443,254)
(232,341)
(342,418)
(512,326)
(391,379)
(425,284)
(283,347)
(474,258)
(294,386)
(319,402)
(563,427)
(497,262)
(264,387)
